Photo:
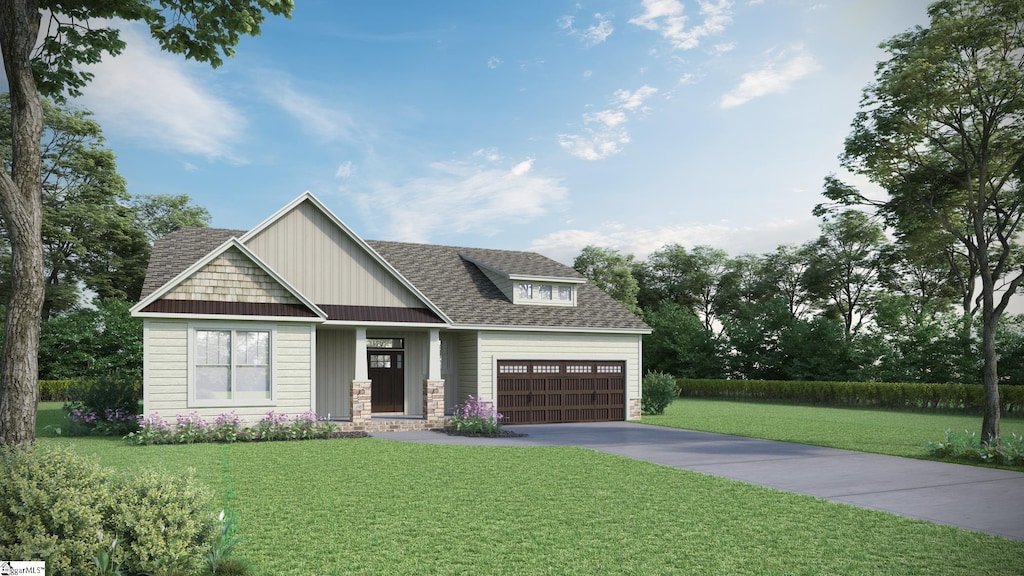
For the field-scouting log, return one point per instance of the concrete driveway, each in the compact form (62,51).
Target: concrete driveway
(969,497)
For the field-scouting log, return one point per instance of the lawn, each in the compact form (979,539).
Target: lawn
(878,431)
(371,506)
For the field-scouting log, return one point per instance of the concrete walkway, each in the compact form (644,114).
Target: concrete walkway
(981,499)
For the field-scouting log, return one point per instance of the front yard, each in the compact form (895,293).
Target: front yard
(371,506)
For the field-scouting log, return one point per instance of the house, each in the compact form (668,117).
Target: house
(301,314)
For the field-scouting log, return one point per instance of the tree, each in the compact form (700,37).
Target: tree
(680,344)
(161,214)
(941,130)
(92,342)
(45,61)
(90,237)
(611,272)
(844,266)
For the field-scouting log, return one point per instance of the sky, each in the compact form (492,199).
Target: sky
(542,125)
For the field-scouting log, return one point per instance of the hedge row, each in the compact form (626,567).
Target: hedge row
(56,390)
(67,390)
(964,398)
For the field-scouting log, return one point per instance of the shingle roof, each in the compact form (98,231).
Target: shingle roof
(180,249)
(519,263)
(442,274)
(467,296)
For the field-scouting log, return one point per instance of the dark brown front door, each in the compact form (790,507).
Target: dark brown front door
(536,392)
(387,375)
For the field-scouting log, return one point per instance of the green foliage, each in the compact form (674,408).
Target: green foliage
(659,389)
(161,214)
(92,342)
(56,390)
(78,517)
(611,272)
(961,398)
(967,446)
(679,344)
(202,31)
(115,391)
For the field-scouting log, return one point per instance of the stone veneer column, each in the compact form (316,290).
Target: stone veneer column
(361,408)
(634,409)
(433,400)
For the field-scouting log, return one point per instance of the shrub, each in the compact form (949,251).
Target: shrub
(106,406)
(659,389)
(55,390)
(922,397)
(967,446)
(475,417)
(66,510)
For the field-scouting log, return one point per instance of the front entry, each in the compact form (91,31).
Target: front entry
(387,375)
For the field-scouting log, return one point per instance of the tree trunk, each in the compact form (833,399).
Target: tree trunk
(21,204)
(990,375)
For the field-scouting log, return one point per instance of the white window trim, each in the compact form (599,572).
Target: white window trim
(193,402)
(535,299)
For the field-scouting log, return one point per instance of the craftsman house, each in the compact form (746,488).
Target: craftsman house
(300,314)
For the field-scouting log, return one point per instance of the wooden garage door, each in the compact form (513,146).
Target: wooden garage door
(541,391)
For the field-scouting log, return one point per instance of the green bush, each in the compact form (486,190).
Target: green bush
(967,446)
(55,390)
(659,389)
(106,406)
(921,397)
(66,510)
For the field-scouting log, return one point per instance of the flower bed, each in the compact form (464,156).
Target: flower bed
(228,427)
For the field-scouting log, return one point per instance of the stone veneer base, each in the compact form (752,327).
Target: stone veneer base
(390,425)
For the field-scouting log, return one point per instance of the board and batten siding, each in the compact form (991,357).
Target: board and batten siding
(468,366)
(494,346)
(166,367)
(325,264)
(335,370)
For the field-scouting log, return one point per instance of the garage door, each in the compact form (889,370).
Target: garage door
(537,392)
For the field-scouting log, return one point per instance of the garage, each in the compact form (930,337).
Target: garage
(549,391)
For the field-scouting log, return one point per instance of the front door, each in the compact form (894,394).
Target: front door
(387,376)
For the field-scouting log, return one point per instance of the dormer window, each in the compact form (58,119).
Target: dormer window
(544,293)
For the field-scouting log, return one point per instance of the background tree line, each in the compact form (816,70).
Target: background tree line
(96,240)
(849,305)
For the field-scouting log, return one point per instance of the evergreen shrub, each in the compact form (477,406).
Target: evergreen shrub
(659,389)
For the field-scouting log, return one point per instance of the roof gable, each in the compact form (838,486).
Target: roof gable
(229,280)
(328,262)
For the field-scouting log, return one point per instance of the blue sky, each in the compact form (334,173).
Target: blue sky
(539,125)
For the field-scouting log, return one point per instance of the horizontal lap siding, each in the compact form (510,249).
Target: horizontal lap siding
(167,361)
(496,346)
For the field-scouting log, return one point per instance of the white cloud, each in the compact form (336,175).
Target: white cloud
(157,98)
(493,62)
(460,196)
(565,245)
(592,35)
(324,123)
(775,76)
(633,100)
(719,49)
(604,132)
(667,18)
(344,169)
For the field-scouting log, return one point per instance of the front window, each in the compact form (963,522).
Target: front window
(232,366)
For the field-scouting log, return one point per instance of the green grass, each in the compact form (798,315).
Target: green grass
(878,431)
(370,506)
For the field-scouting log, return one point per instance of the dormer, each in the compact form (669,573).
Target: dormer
(527,278)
